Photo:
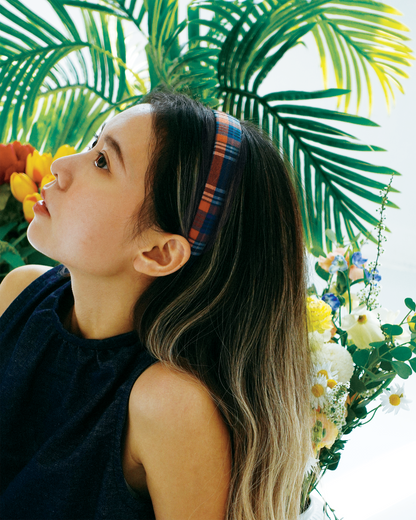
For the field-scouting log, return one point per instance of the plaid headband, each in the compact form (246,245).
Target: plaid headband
(225,155)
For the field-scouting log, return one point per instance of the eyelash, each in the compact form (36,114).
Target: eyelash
(99,154)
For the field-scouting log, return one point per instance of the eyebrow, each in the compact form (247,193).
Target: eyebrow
(116,147)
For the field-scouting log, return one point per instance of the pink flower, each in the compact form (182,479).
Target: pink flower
(355,273)
(325,263)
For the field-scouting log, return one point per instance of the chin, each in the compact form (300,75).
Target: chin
(38,242)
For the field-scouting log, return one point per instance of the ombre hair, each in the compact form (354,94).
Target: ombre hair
(235,317)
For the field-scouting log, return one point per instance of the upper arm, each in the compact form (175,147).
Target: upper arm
(16,281)
(183,444)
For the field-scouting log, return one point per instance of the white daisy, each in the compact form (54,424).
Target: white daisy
(394,399)
(318,392)
(325,369)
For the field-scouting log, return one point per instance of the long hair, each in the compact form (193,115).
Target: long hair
(235,317)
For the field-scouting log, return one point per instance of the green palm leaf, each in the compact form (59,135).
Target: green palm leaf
(372,38)
(318,151)
(35,76)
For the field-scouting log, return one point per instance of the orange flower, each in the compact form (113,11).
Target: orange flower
(13,159)
(22,185)
(28,203)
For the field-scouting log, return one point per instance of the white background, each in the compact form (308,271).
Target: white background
(376,477)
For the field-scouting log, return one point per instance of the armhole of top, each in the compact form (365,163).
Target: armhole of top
(119,431)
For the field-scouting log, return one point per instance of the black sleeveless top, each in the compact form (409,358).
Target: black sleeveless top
(64,401)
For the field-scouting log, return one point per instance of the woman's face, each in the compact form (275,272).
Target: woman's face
(94,196)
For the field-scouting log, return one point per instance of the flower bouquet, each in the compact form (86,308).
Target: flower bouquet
(23,174)
(357,350)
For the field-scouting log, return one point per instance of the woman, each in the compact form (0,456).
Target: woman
(168,377)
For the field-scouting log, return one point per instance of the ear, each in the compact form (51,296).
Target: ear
(163,255)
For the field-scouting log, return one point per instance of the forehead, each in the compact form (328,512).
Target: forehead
(136,120)
(132,129)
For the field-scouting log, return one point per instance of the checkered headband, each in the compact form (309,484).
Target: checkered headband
(224,159)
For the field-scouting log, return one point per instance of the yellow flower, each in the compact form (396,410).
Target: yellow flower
(48,178)
(28,204)
(63,151)
(319,315)
(22,185)
(37,166)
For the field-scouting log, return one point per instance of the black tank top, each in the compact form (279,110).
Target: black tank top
(64,401)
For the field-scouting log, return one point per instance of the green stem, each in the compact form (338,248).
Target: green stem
(373,412)
(378,392)
(405,317)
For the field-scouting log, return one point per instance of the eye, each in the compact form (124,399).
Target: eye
(101,161)
(94,142)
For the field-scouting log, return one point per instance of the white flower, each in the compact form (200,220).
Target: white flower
(316,340)
(325,369)
(362,327)
(318,392)
(394,399)
(339,357)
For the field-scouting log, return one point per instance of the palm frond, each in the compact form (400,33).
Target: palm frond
(376,40)
(43,65)
(247,40)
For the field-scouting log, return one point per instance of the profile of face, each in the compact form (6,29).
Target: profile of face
(94,196)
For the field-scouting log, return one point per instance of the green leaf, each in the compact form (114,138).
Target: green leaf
(402,353)
(356,385)
(360,412)
(321,272)
(290,95)
(13,259)
(402,369)
(6,228)
(323,113)
(384,352)
(317,251)
(360,357)
(378,344)
(331,235)
(410,304)
(392,330)
(412,363)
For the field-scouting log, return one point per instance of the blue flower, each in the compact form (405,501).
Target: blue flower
(338,264)
(331,300)
(358,260)
(374,275)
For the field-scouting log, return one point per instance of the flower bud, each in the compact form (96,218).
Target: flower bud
(48,178)
(28,204)
(22,185)
(63,151)
(37,166)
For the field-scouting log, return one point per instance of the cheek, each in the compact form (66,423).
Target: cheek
(101,223)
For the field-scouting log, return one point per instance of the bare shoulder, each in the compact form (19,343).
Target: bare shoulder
(181,439)
(16,281)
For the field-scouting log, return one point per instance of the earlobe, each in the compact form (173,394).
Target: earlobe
(164,257)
